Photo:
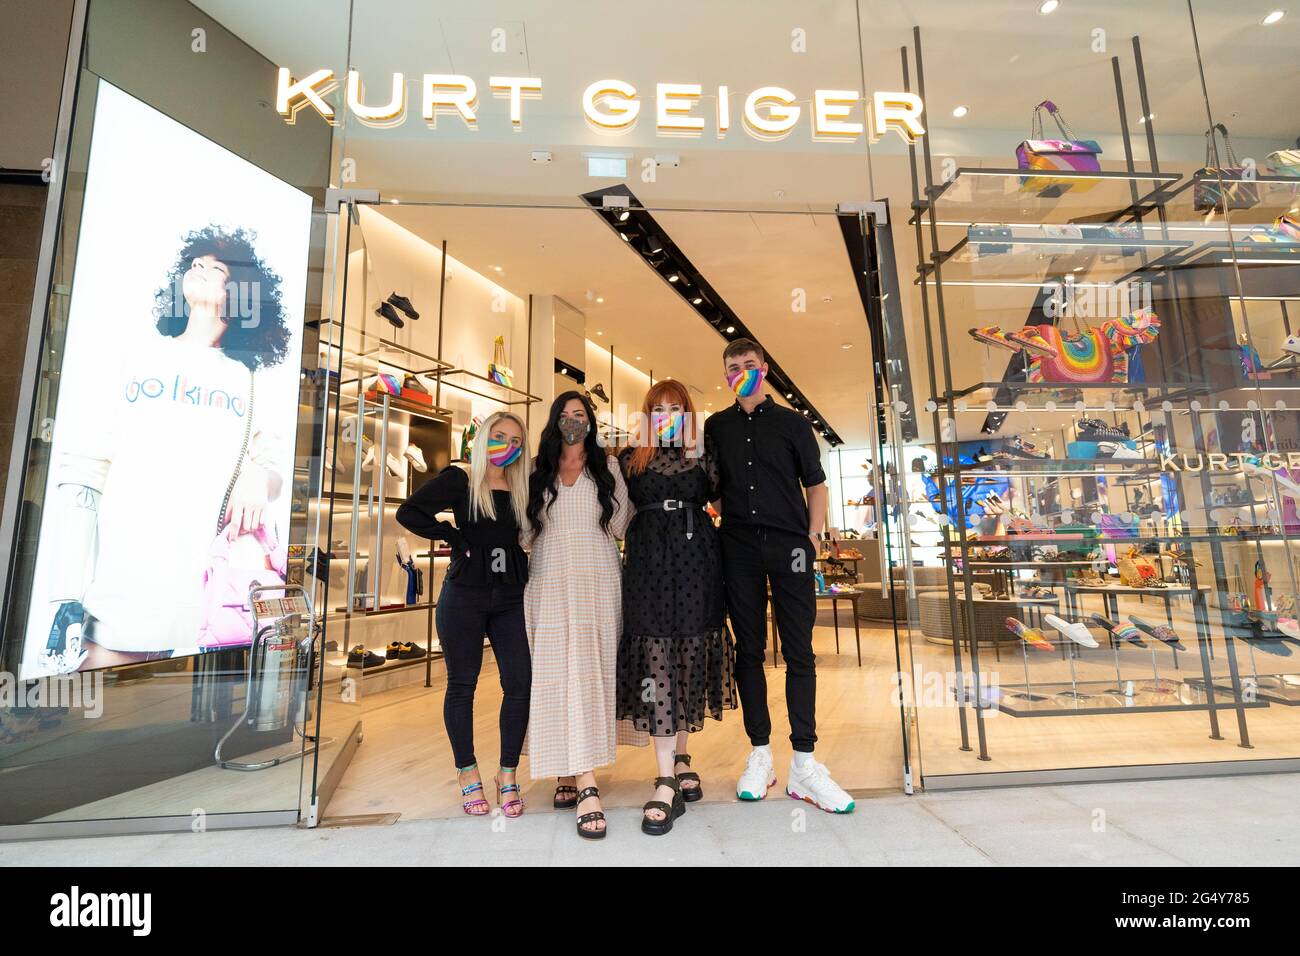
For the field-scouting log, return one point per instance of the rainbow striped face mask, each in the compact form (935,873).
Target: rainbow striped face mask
(502,453)
(746,382)
(667,426)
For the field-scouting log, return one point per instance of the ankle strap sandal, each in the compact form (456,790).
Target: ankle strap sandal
(591,817)
(511,808)
(477,806)
(689,794)
(671,811)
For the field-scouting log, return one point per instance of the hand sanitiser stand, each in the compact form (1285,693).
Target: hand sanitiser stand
(275,694)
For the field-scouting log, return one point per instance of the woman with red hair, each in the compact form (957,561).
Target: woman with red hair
(675,656)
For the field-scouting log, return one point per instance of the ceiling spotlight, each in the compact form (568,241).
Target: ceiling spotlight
(696,301)
(600,333)
(623,216)
(846,345)
(600,298)
(638,358)
(653,245)
(1048,6)
(496,268)
(674,277)
(564,371)
(730,329)
(626,237)
(1272,18)
(960,112)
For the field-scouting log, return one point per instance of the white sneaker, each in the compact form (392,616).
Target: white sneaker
(416,457)
(1076,632)
(1292,344)
(396,466)
(368,461)
(813,784)
(758,776)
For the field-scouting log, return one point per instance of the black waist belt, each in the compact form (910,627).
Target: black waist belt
(690,507)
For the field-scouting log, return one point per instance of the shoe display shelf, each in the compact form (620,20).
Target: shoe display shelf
(1124,235)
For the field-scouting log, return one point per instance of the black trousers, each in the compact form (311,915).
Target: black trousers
(753,558)
(466,612)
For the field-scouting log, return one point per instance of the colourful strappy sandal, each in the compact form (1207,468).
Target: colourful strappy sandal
(511,808)
(477,806)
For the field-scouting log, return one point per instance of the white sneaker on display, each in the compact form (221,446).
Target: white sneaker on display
(416,457)
(1292,344)
(396,466)
(813,784)
(758,776)
(1075,632)
(368,461)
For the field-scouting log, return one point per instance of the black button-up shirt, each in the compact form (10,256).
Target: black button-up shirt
(765,459)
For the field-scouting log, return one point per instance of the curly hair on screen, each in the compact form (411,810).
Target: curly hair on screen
(260,344)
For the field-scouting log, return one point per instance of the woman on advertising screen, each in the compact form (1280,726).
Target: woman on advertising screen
(169,479)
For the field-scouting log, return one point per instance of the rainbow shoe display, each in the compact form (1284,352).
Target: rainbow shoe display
(1121,631)
(992,335)
(1166,635)
(1032,339)
(1030,635)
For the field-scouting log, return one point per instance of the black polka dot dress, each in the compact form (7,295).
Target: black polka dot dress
(676,659)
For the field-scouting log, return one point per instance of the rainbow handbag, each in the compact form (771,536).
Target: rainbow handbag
(1066,155)
(1083,357)
(498,371)
(1239,190)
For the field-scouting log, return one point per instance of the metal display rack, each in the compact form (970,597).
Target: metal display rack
(1184,405)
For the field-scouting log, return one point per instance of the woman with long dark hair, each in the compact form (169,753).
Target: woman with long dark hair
(577,507)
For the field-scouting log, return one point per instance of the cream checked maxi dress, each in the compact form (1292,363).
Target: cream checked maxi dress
(574,608)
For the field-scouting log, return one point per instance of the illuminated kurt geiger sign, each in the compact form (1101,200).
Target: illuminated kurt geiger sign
(615,106)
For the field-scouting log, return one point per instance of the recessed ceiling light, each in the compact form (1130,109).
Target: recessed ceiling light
(496,268)
(1048,6)
(961,111)
(600,333)
(846,345)
(600,298)
(564,371)
(718,387)
(1272,18)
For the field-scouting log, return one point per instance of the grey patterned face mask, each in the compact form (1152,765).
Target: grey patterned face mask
(573,430)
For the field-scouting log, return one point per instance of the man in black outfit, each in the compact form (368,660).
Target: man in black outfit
(768,458)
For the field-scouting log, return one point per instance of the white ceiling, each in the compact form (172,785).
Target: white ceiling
(998,57)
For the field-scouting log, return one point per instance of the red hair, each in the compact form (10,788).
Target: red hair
(667,392)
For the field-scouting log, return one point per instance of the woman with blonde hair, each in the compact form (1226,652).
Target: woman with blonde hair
(676,660)
(483,593)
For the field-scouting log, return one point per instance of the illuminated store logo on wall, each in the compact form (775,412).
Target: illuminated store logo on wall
(614,106)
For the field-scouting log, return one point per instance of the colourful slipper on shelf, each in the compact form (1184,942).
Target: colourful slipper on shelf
(1121,631)
(1160,632)
(1030,338)
(1030,635)
(992,335)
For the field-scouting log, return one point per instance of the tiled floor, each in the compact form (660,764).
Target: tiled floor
(1247,820)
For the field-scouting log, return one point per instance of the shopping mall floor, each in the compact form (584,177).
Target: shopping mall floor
(1224,821)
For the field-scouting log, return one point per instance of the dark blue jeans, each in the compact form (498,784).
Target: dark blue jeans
(467,612)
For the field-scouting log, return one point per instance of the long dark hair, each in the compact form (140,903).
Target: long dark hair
(546,466)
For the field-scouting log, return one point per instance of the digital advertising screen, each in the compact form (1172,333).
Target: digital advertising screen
(172,442)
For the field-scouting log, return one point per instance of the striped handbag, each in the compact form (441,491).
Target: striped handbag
(1086,356)
(1070,154)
